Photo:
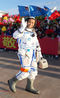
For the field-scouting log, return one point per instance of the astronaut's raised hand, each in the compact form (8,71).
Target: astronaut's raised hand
(23,25)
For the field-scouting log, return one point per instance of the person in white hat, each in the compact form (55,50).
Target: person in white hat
(27,46)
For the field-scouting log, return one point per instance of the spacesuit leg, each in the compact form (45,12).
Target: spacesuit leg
(25,61)
(31,78)
(21,75)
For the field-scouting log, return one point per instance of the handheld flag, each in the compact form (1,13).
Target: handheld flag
(23,10)
(34,11)
(37,11)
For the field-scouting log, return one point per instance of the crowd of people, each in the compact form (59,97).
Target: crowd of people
(9,24)
(48,28)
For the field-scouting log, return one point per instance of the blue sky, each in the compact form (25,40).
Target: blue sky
(12,5)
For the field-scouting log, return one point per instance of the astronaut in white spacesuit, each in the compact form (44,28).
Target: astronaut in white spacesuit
(27,46)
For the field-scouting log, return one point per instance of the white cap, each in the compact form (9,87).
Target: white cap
(31,17)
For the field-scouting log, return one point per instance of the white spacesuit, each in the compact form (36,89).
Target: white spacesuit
(27,46)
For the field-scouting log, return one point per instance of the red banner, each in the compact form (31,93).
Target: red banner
(0,41)
(8,42)
(49,45)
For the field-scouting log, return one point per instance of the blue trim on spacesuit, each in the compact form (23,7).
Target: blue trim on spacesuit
(33,57)
(17,40)
(20,41)
(21,61)
(18,74)
(34,54)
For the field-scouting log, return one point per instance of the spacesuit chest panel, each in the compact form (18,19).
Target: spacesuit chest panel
(27,41)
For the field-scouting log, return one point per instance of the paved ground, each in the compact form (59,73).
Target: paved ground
(47,81)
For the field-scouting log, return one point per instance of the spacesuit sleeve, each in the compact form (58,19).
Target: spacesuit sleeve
(17,34)
(38,49)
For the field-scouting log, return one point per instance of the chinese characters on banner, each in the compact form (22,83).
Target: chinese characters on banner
(9,42)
